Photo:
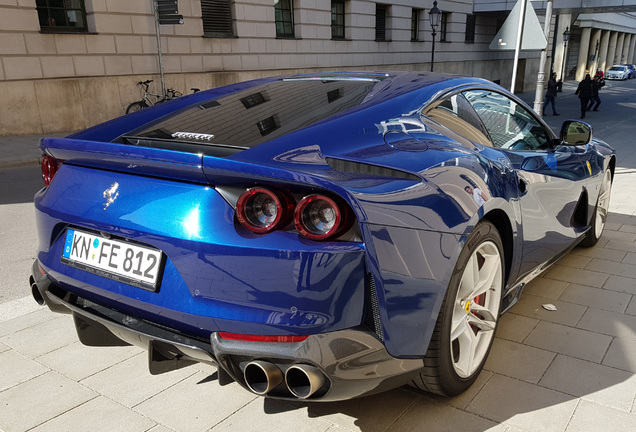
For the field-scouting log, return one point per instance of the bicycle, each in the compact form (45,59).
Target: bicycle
(150,99)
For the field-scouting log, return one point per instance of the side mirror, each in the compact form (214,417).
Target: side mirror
(575,133)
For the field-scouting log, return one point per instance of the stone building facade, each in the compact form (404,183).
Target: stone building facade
(69,64)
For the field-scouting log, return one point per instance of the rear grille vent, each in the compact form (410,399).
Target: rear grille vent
(372,308)
(367,169)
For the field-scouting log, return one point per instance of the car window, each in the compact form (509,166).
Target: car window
(510,125)
(456,114)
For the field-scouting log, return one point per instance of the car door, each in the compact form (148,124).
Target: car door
(551,179)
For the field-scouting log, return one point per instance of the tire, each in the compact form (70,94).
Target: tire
(467,321)
(599,217)
(136,106)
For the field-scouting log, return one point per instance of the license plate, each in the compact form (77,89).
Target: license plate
(115,259)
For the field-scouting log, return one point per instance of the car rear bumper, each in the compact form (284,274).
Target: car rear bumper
(324,367)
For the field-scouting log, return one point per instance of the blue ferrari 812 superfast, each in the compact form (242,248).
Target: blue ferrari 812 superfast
(317,236)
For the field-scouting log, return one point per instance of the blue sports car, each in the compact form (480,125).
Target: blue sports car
(315,236)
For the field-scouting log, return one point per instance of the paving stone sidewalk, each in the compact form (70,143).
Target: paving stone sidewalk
(569,370)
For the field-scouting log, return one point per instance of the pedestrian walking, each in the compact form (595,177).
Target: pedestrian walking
(551,94)
(597,83)
(584,90)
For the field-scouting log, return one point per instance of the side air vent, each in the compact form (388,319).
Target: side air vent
(367,169)
(580,215)
(372,308)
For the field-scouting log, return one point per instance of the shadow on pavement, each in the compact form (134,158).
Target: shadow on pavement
(19,184)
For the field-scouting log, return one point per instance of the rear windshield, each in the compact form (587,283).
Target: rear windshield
(259,114)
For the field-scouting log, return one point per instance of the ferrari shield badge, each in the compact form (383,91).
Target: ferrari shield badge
(111,194)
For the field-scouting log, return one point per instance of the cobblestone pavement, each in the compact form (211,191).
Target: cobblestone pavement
(573,369)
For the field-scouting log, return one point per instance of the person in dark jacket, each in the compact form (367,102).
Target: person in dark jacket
(597,83)
(551,94)
(584,90)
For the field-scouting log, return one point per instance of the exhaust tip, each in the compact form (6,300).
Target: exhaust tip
(304,380)
(35,292)
(261,376)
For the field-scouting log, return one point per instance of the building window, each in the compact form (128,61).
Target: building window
(334,95)
(444,26)
(380,22)
(253,100)
(64,16)
(337,19)
(267,125)
(470,29)
(415,24)
(217,18)
(284,18)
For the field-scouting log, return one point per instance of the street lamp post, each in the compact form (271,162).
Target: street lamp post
(566,38)
(434,16)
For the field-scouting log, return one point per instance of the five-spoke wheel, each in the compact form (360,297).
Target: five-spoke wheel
(597,223)
(476,309)
(467,321)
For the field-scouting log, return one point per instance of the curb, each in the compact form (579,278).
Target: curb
(19,163)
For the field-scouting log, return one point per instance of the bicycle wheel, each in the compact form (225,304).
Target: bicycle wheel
(136,106)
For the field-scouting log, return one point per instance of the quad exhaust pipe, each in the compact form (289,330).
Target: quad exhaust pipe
(302,380)
(35,292)
(261,376)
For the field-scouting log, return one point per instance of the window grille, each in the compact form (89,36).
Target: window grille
(217,18)
(470,29)
(380,22)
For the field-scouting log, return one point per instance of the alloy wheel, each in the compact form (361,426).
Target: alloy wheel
(476,309)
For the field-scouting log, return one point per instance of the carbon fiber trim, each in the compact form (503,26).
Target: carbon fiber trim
(368,169)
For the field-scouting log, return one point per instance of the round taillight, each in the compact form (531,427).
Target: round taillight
(49,166)
(261,210)
(320,218)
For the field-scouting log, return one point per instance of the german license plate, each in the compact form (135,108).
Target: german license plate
(115,259)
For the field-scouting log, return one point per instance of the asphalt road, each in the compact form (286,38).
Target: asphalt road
(18,238)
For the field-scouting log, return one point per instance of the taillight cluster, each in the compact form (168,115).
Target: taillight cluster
(50,165)
(316,216)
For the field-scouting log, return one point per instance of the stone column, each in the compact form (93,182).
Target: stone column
(611,51)
(559,66)
(595,47)
(602,52)
(626,45)
(632,47)
(583,50)
(619,48)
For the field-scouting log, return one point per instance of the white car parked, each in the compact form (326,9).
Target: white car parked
(618,72)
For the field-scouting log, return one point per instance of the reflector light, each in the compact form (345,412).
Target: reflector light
(261,338)
(49,166)
(261,210)
(318,217)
